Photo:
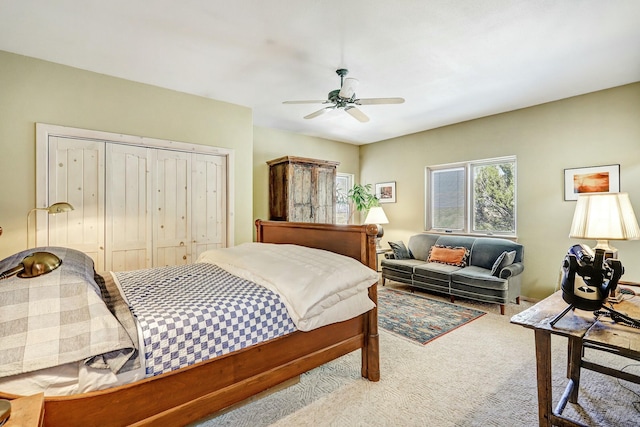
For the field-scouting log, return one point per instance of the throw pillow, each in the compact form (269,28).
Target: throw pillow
(505,258)
(400,251)
(456,256)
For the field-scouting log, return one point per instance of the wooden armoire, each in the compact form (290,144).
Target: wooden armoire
(302,190)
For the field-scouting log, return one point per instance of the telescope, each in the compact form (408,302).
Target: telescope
(588,279)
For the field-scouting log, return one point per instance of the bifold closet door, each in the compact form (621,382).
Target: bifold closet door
(76,175)
(171,208)
(134,206)
(128,221)
(209,203)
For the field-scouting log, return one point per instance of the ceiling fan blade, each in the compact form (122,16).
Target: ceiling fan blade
(374,101)
(357,114)
(305,102)
(319,112)
(348,88)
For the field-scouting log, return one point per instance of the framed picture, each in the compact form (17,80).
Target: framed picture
(594,179)
(386,192)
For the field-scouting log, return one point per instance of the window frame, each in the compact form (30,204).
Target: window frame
(350,178)
(468,167)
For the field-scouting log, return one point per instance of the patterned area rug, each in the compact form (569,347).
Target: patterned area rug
(418,318)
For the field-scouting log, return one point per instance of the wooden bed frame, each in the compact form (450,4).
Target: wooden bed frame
(189,394)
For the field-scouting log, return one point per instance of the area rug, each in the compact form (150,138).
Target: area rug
(418,318)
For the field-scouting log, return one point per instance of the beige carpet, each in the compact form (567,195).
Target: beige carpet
(482,374)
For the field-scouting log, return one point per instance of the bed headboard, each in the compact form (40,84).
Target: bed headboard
(355,241)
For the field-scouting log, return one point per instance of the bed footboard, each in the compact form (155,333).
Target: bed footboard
(355,241)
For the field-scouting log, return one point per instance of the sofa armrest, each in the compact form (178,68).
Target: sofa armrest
(512,270)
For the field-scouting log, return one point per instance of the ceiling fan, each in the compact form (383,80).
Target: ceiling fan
(345,98)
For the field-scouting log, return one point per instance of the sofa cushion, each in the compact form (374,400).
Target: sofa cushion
(478,277)
(400,251)
(433,276)
(477,283)
(456,241)
(419,245)
(486,250)
(401,264)
(434,270)
(504,259)
(456,256)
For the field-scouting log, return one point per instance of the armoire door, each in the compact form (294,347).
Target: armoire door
(302,187)
(324,194)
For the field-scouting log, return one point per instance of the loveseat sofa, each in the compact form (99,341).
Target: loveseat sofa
(479,268)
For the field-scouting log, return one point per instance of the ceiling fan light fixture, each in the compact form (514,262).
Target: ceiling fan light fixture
(349,87)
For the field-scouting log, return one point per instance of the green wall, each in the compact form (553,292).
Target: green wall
(33,90)
(594,129)
(600,128)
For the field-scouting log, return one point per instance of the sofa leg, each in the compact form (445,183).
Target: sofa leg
(502,309)
(452,298)
(518,300)
(383,280)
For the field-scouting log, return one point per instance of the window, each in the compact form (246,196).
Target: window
(477,197)
(344,182)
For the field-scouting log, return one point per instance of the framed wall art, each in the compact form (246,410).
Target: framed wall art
(386,192)
(591,180)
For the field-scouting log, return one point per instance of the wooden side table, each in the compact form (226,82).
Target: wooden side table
(27,411)
(582,330)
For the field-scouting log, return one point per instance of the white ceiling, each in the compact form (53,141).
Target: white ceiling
(451,60)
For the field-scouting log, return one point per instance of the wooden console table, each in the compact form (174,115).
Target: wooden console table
(582,331)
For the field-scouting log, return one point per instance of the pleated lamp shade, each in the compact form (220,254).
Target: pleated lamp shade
(604,217)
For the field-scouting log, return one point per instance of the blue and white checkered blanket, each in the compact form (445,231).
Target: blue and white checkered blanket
(195,312)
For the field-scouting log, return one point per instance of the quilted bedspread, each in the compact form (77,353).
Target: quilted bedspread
(58,318)
(317,286)
(195,312)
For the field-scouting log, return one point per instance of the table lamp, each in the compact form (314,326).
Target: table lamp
(605,217)
(376,216)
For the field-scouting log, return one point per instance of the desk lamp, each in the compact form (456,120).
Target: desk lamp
(376,216)
(34,265)
(52,210)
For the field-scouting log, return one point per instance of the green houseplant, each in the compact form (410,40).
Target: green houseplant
(362,197)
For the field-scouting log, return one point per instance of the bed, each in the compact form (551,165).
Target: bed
(188,394)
